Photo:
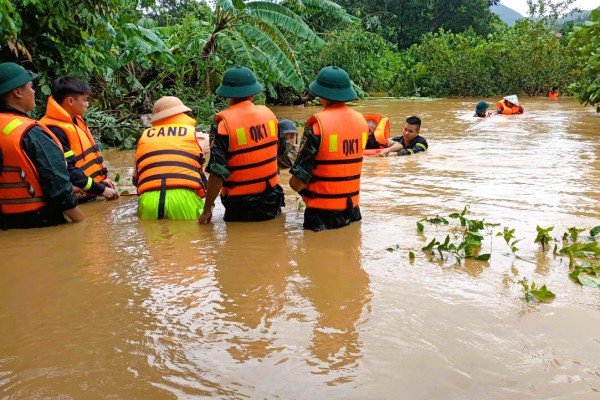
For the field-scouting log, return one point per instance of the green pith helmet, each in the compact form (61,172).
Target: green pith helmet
(239,82)
(13,76)
(333,83)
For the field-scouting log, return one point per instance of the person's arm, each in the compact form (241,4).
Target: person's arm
(217,167)
(50,164)
(394,145)
(418,145)
(305,162)
(76,175)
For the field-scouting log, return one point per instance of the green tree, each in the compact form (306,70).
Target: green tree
(585,40)
(404,21)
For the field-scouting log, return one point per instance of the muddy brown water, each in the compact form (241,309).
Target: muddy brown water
(118,308)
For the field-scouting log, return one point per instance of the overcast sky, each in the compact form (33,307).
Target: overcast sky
(521,5)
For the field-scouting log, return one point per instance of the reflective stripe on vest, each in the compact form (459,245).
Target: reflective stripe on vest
(382,131)
(169,157)
(252,153)
(82,143)
(20,190)
(335,183)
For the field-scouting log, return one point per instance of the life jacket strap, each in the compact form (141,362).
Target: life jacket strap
(257,164)
(337,162)
(249,149)
(22,201)
(170,176)
(312,195)
(334,178)
(194,157)
(167,164)
(231,184)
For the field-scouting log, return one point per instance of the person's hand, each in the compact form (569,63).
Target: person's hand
(109,183)
(205,217)
(383,153)
(110,193)
(79,193)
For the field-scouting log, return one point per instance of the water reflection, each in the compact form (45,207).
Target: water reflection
(251,270)
(338,289)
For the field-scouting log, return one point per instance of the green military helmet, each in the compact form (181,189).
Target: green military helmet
(13,76)
(239,82)
(333,83)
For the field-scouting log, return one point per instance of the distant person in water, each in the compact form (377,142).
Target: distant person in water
(481,110)
(553,93)
(287,150)
(509,105)
(411,142)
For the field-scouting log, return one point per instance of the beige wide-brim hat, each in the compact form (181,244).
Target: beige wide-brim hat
(168,106)
(513,99)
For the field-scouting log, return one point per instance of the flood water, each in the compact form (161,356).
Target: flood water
(118,308)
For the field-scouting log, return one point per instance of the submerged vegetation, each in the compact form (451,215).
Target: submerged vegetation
(464,242)
(134,52)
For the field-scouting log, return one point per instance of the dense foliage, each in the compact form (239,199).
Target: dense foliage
(585,40)
(526,58)
(133,52)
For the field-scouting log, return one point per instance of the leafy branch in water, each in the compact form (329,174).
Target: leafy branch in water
(572,233)
(543,236)
(467,248)
(509,237)
(588,274)
(534,293)
(582,250)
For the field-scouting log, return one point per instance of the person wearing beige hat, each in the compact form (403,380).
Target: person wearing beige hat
(34,183)
(168,164)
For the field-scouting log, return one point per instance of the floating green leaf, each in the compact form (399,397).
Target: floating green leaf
(420,227)
(483,257)
(117,178)
(438,220)
(595,230)
(411,255)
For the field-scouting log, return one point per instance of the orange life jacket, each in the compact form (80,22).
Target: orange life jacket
(382,132)
(82,143)
(338,163)
(553,95)
(252,154)
(20,189)
(168,156)
(509,110)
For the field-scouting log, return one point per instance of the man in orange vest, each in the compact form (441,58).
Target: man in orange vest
(168,164)
(34,184)
(327,170)
(64,117)
(243,157)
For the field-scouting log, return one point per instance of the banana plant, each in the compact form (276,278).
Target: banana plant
(259,35)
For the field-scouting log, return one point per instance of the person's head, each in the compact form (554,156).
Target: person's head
(72,95)
(288,129)
(411,129)
(481,108)
(554,89)
(16,87)
(372,126)
(239,84)
(168,106)
(333,85)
